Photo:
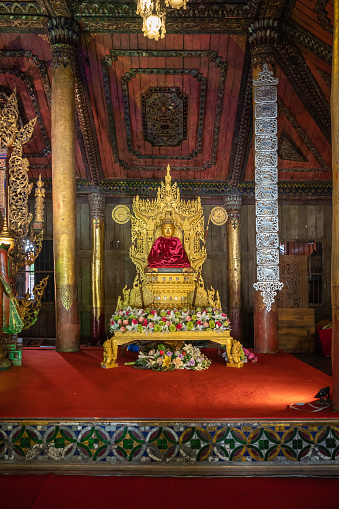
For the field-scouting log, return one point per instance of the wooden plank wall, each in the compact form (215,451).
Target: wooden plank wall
(298,223)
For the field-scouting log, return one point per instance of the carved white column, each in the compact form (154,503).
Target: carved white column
(266,186)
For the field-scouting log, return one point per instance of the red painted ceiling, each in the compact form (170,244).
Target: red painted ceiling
(209,69)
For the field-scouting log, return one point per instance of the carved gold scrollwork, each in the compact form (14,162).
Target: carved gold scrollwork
(8,121)
(20,188)
(29,308)
(149,214)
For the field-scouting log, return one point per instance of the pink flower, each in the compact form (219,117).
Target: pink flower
(179,326)
(127,313)
(134,321)
(164,319)
(168,323)
(141,319)
(119,321)
(206,324)
(223,314)
(218,324)
(168,312)
(112,322)
(121,313)
(188,318)
(125,322)
(151,325)
(153,312)
(144,323)
(199,322)
(122,329)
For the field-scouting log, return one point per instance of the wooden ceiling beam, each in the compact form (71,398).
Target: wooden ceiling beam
(302,135)
(308,41)
(86,126)
(296,70)
(243,127)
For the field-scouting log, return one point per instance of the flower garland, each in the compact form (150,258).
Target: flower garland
(155,320)
(160,359)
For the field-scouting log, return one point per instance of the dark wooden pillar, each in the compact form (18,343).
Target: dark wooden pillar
(64,35)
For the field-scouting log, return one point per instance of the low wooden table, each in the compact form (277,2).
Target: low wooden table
(124,338)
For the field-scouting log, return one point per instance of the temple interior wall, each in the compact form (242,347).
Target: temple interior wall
(298,223)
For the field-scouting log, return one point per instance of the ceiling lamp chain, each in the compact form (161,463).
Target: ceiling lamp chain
(153,13)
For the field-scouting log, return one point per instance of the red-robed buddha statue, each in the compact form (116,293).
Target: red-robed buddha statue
(167,251)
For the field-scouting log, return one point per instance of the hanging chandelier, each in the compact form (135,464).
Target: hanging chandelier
(153,13)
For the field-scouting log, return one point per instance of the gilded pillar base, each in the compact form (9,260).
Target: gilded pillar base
(237,365)
(266,339)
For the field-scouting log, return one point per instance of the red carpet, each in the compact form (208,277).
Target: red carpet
(52,492)
(66,385)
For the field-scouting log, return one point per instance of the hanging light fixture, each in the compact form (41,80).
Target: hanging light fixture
(153,13)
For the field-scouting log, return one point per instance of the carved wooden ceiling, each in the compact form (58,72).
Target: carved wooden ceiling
(185,100)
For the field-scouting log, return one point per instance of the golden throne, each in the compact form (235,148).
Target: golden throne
(167,287)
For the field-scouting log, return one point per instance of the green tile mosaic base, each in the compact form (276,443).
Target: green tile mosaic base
(182,443)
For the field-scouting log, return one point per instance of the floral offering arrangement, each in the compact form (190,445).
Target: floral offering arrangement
(249,356)
(155,320)
(162,359)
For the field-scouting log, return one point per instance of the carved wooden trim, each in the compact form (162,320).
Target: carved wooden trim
(325,77)
(86,125)
(288,150)
(243,127)
(119,17)
(283,108)
(320,9)
(299,75)
(56,7)
(309,41)
(272,9)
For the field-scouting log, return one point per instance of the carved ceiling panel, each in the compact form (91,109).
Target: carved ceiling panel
(164,116)
(169,106)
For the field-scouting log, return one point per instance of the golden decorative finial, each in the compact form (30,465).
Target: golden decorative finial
(39,205)
(5,237)
(168,181)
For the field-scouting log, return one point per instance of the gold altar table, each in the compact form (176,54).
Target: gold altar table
(124,338)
